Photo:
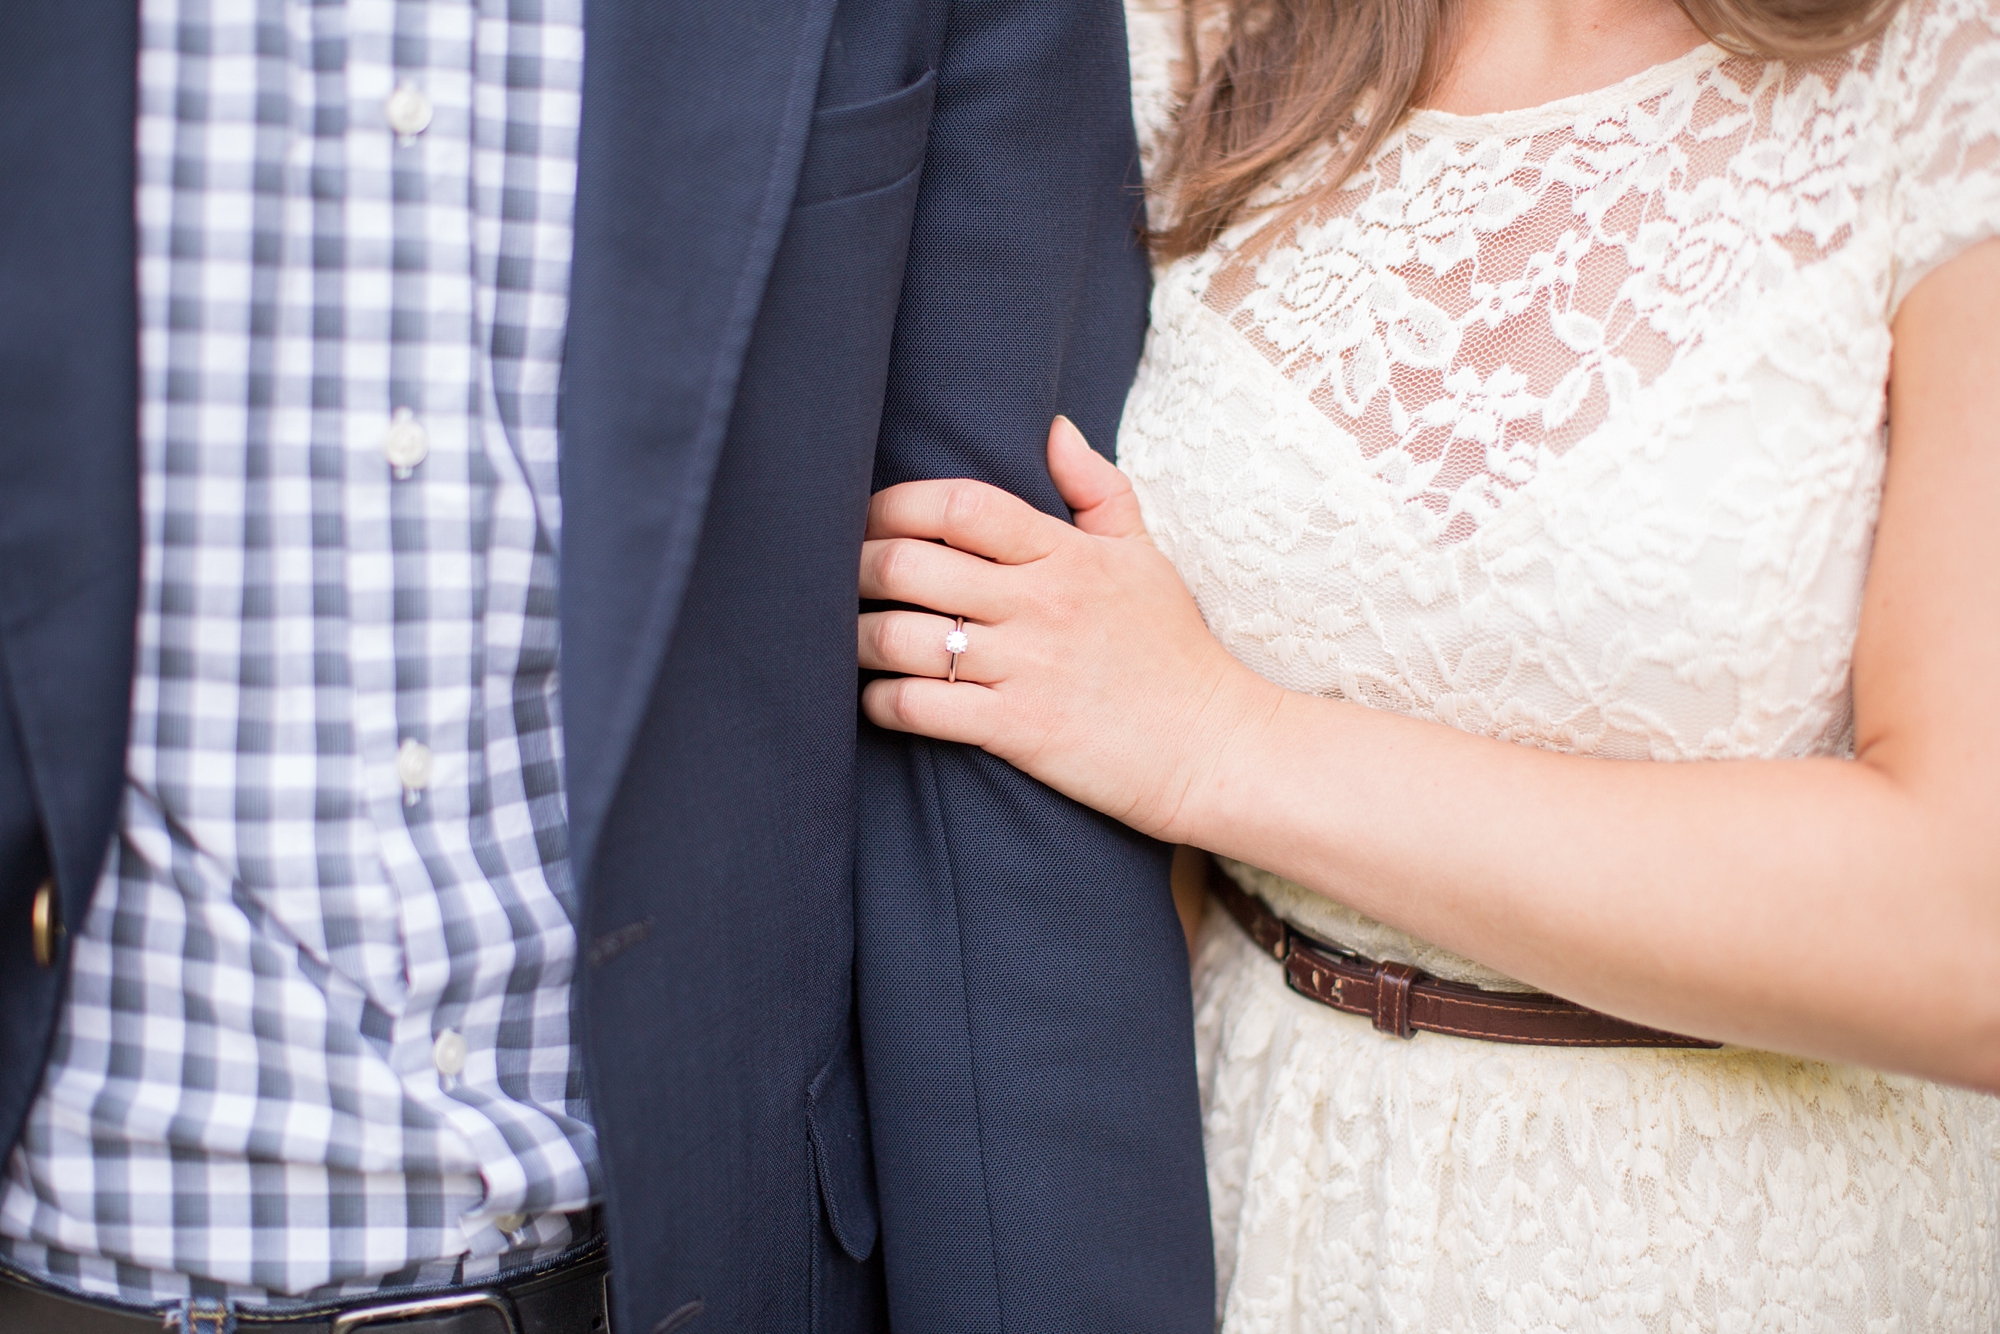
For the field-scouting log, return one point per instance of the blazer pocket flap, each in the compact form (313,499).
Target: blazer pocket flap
(837,1115)
(867,145)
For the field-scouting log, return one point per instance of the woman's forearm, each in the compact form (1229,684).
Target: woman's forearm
(1823,907)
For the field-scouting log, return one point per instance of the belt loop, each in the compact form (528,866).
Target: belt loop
(203,1315)
(1392,998)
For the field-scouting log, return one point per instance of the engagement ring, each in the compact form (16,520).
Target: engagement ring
(955,643)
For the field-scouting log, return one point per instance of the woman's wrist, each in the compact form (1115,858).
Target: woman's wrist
(1231,759)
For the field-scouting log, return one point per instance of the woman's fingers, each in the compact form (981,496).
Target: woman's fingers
(904,569)
(1097,493)
(965,713)
(914,642)
(968,515)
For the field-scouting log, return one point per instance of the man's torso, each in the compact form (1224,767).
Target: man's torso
(318,1029)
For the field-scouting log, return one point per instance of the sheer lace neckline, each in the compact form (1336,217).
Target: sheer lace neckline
(1570,433)
(1648,82)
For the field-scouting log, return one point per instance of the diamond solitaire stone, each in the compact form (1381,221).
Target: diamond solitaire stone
(955,641)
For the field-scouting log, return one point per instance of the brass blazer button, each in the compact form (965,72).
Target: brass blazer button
(46,928)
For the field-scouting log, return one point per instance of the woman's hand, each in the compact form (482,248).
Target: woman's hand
(1087,664)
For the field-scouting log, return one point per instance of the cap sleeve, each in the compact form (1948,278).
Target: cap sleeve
(1946,111)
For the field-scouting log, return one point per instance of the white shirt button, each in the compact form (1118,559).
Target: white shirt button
(413,765)
(448,1054)
(406,443)
(510,1223)
(408,110)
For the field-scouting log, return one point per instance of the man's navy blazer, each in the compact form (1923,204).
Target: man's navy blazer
(822,246)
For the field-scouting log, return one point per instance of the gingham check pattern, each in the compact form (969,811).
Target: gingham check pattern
(243,1101)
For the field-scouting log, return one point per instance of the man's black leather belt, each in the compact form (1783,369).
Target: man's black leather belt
(1403,1000)
(567,1298)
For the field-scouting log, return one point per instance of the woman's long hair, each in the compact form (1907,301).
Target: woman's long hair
(1292,75)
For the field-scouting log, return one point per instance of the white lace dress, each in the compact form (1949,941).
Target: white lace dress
(1565,425)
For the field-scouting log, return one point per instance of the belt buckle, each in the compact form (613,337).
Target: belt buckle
(347,1322)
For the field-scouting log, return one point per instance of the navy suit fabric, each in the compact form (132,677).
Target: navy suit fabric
(69,485)
(871,1024)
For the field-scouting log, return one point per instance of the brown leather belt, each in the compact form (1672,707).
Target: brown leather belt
(568,1297)
(1403,1000)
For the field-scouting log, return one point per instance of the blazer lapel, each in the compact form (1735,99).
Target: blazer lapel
(69,458)
(695,117)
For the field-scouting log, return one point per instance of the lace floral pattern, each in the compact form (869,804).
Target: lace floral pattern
(1477,305)
(1565,426)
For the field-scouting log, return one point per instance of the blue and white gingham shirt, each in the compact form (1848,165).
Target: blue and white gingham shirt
(318,1036)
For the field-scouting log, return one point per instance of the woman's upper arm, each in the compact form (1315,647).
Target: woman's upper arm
(1927,661)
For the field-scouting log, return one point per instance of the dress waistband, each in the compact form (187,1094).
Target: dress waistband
(1403,1000)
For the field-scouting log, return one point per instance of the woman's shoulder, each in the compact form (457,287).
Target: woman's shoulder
(1940,67)
(1938,47)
